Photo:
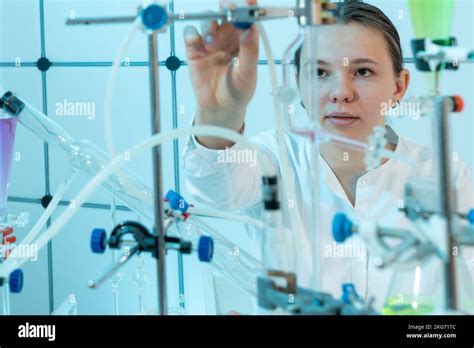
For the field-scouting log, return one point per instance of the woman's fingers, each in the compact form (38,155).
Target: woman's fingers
(195,46)
(208,32)
(248,55)
(230,4)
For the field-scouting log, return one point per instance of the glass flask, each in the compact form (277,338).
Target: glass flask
(419,289)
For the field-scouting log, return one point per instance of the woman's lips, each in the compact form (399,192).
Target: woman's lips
(342,121)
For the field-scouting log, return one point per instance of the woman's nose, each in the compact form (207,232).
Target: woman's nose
(341,91)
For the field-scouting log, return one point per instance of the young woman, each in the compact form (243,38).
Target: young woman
(360,68)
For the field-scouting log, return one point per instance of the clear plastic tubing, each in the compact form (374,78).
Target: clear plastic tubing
(111,85)
(118,162)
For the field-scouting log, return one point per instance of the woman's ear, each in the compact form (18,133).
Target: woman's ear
(401,84)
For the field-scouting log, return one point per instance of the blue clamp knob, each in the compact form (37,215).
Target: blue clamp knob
(205,249)
(242,25)
(16,281)
(470,216)
(349,293)
(98,239)
(176,201)
(154,17)
(341,227)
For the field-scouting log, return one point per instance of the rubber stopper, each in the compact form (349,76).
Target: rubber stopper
(16,281)
(458,103)
(98,238)
(154,17)
(176,201)
(341,227)
(470,216)
(205,249)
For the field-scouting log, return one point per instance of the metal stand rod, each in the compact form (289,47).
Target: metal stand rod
(157,171)
(313,110)
(103,20)
(251,14)
(447,206)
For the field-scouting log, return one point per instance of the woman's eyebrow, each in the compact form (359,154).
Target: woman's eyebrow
(354,61)
(319,62)
(364,61)
(322,62)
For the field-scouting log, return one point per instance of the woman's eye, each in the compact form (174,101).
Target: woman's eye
(322,73)
(364,72)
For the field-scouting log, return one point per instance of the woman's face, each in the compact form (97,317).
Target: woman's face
(355,77)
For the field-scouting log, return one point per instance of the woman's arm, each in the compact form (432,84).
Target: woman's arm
(222,63)
(227,179)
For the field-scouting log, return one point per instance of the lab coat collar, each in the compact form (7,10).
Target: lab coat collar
(331,179)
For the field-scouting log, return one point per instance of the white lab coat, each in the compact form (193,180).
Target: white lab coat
(237,186)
